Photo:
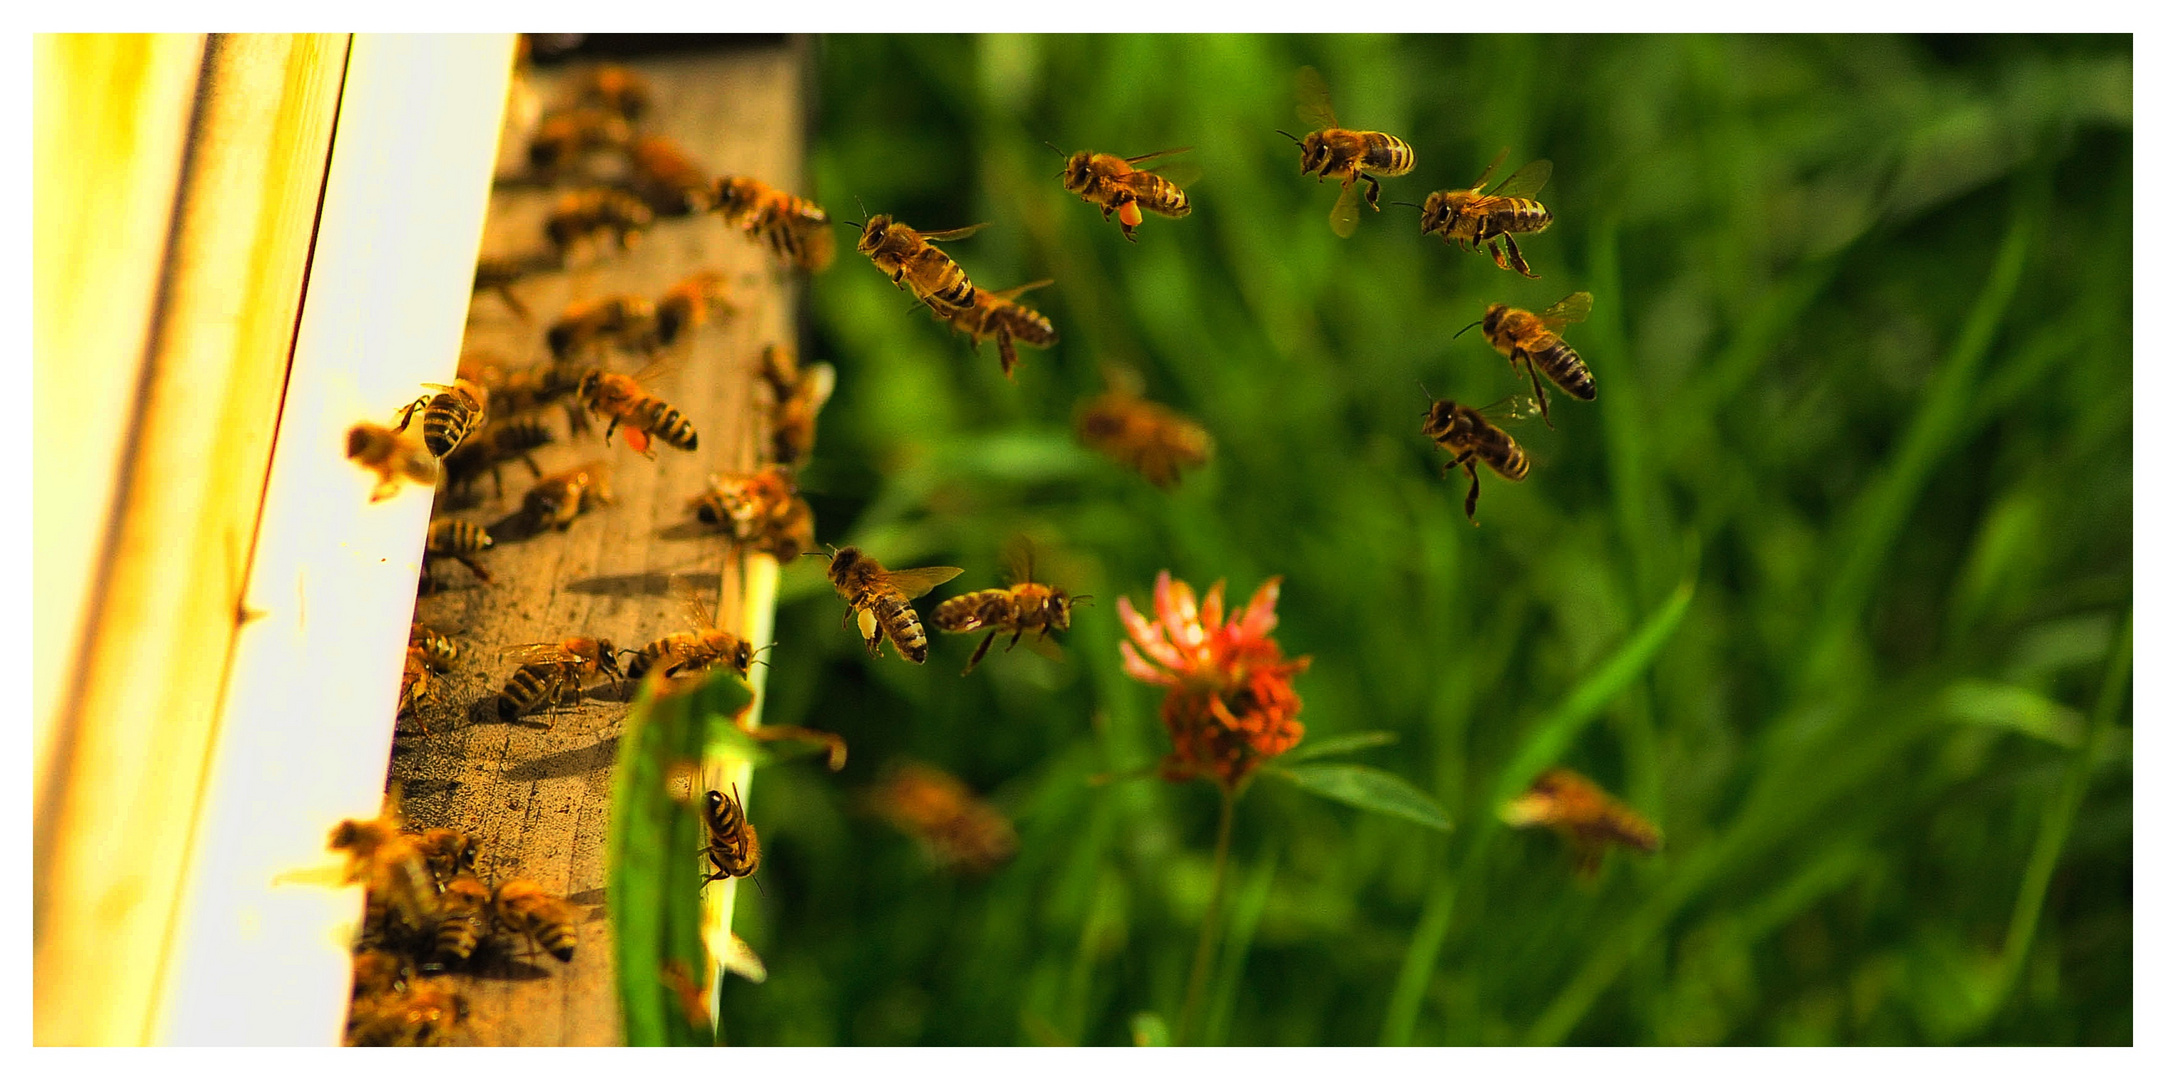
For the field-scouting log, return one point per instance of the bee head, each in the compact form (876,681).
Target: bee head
(1078,175)
(605,658)
(1057,607)
(1314,154)
(741,656)
(875,232)
(1493,319)
(1442,419)
(359,438)
(589,383)
(842,562)
(1438,213)
(732,194)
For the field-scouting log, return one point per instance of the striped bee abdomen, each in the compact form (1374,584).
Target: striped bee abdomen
(531,687)
(664,422)
(465,918)
(901,621)
(1562,364)
(450,536)
(1386,155)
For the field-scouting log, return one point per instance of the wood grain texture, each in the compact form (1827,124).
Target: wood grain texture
(137,723)
(535,792)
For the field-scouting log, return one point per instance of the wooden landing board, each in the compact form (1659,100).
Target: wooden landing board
(536,792)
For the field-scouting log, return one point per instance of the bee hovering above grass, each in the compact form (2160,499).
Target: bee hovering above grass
(1116,186)
(1530,342)
(1343,154)
(881,599)
(1470,436)
(998,314)
(909,259)
(1473,219)
(1589,818)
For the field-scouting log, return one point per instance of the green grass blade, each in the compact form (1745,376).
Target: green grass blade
(1338,744)
(1366,788)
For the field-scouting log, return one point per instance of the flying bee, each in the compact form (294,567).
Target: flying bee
(956,827)
(1023,606)
(548,922)
(881,598)
(668,179)
(594,212)
(554,674)
(427,1012)
(1116,186)
(438,651)
(1589,818)
(586,327)
(1466,433)
(567,136)
(1336,152)
(906,257)
(500,440)
(391,864)
(623,401)
(616,89)
(1473,219)
(687,652)
(448,852)
(454,539)
(733,845)
(464,919)
(997,314)
(800,393)
(761,509)
(556,499)
(1530,343)
(794,228)
(686,307)
(392,455)
(1142,435)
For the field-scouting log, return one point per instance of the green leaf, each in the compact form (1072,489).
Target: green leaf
(1149,1029)
(1338,744)
(1369,789)
(1992,704)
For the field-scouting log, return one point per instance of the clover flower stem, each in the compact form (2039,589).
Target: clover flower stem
(1213,913)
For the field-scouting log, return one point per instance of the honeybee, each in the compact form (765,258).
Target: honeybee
(1348,155)
(907,257)
(1466,433)
(1472,218)
(554,674)
(794,228)
(1531,343)
(448,852)
(500,440)
(623,401)
(685,308)
(687,652)
(800,393)
(446,417)
(547,922)
(585,327)
(733,845)
(1117,186)
(881,598)
(1021,607)
(1589,818)
(761,509)
(559,497)
(415,686)
(615,88)
(668,179)
(427,1012)
(454,539)
(1142,435)
(464,919)
(495,273)
(531,388)
(392,455)
(567,136)
(938,811)
(998,314)
(391,864)
(438,651)
(594,212)
(378,971)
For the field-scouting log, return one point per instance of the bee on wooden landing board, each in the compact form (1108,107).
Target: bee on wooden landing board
(555,500)
(1346,155)
(800,393)
(554,674)
(1531,343)
(451,538)
(1116,186)
(548,922)
(691,651)
(567,136)
(384,857)
(464,920)
(1473,219)
(594,213)
(761,510)
(881,599)
(672,184)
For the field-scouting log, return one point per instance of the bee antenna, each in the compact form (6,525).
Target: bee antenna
(1467,327)
(1289,135)
(1079,599)
(1400,202)
(1425,390)
(1056,149)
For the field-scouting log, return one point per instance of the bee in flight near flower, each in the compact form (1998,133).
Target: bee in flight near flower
(1139,434)
(881,599)
(1587,817)
(956,827)
(1473,219)
(1116,186)
(1343,154)
(1023,606)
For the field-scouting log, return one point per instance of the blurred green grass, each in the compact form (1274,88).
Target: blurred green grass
(1861,330)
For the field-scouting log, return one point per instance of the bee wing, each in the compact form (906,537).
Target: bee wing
(1141,158)
(954,234)
(1019,557)
(1571,309)
(915,583)
(1312,99)
(1483,179)
(1525,183)
(1010,294)
(1043,646)
(658,369)
(538,652)
(694,607)
(1180,173)
(1346,213)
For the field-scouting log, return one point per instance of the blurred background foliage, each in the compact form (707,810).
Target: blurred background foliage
(1862,334)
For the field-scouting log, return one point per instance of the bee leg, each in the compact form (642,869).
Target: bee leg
(1012,640)
(1007,353)
(980,653)
(406,415)
(613,421)
(1519,262)
(1474,492)
(480,573)
(1375,188)
(1541,397)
